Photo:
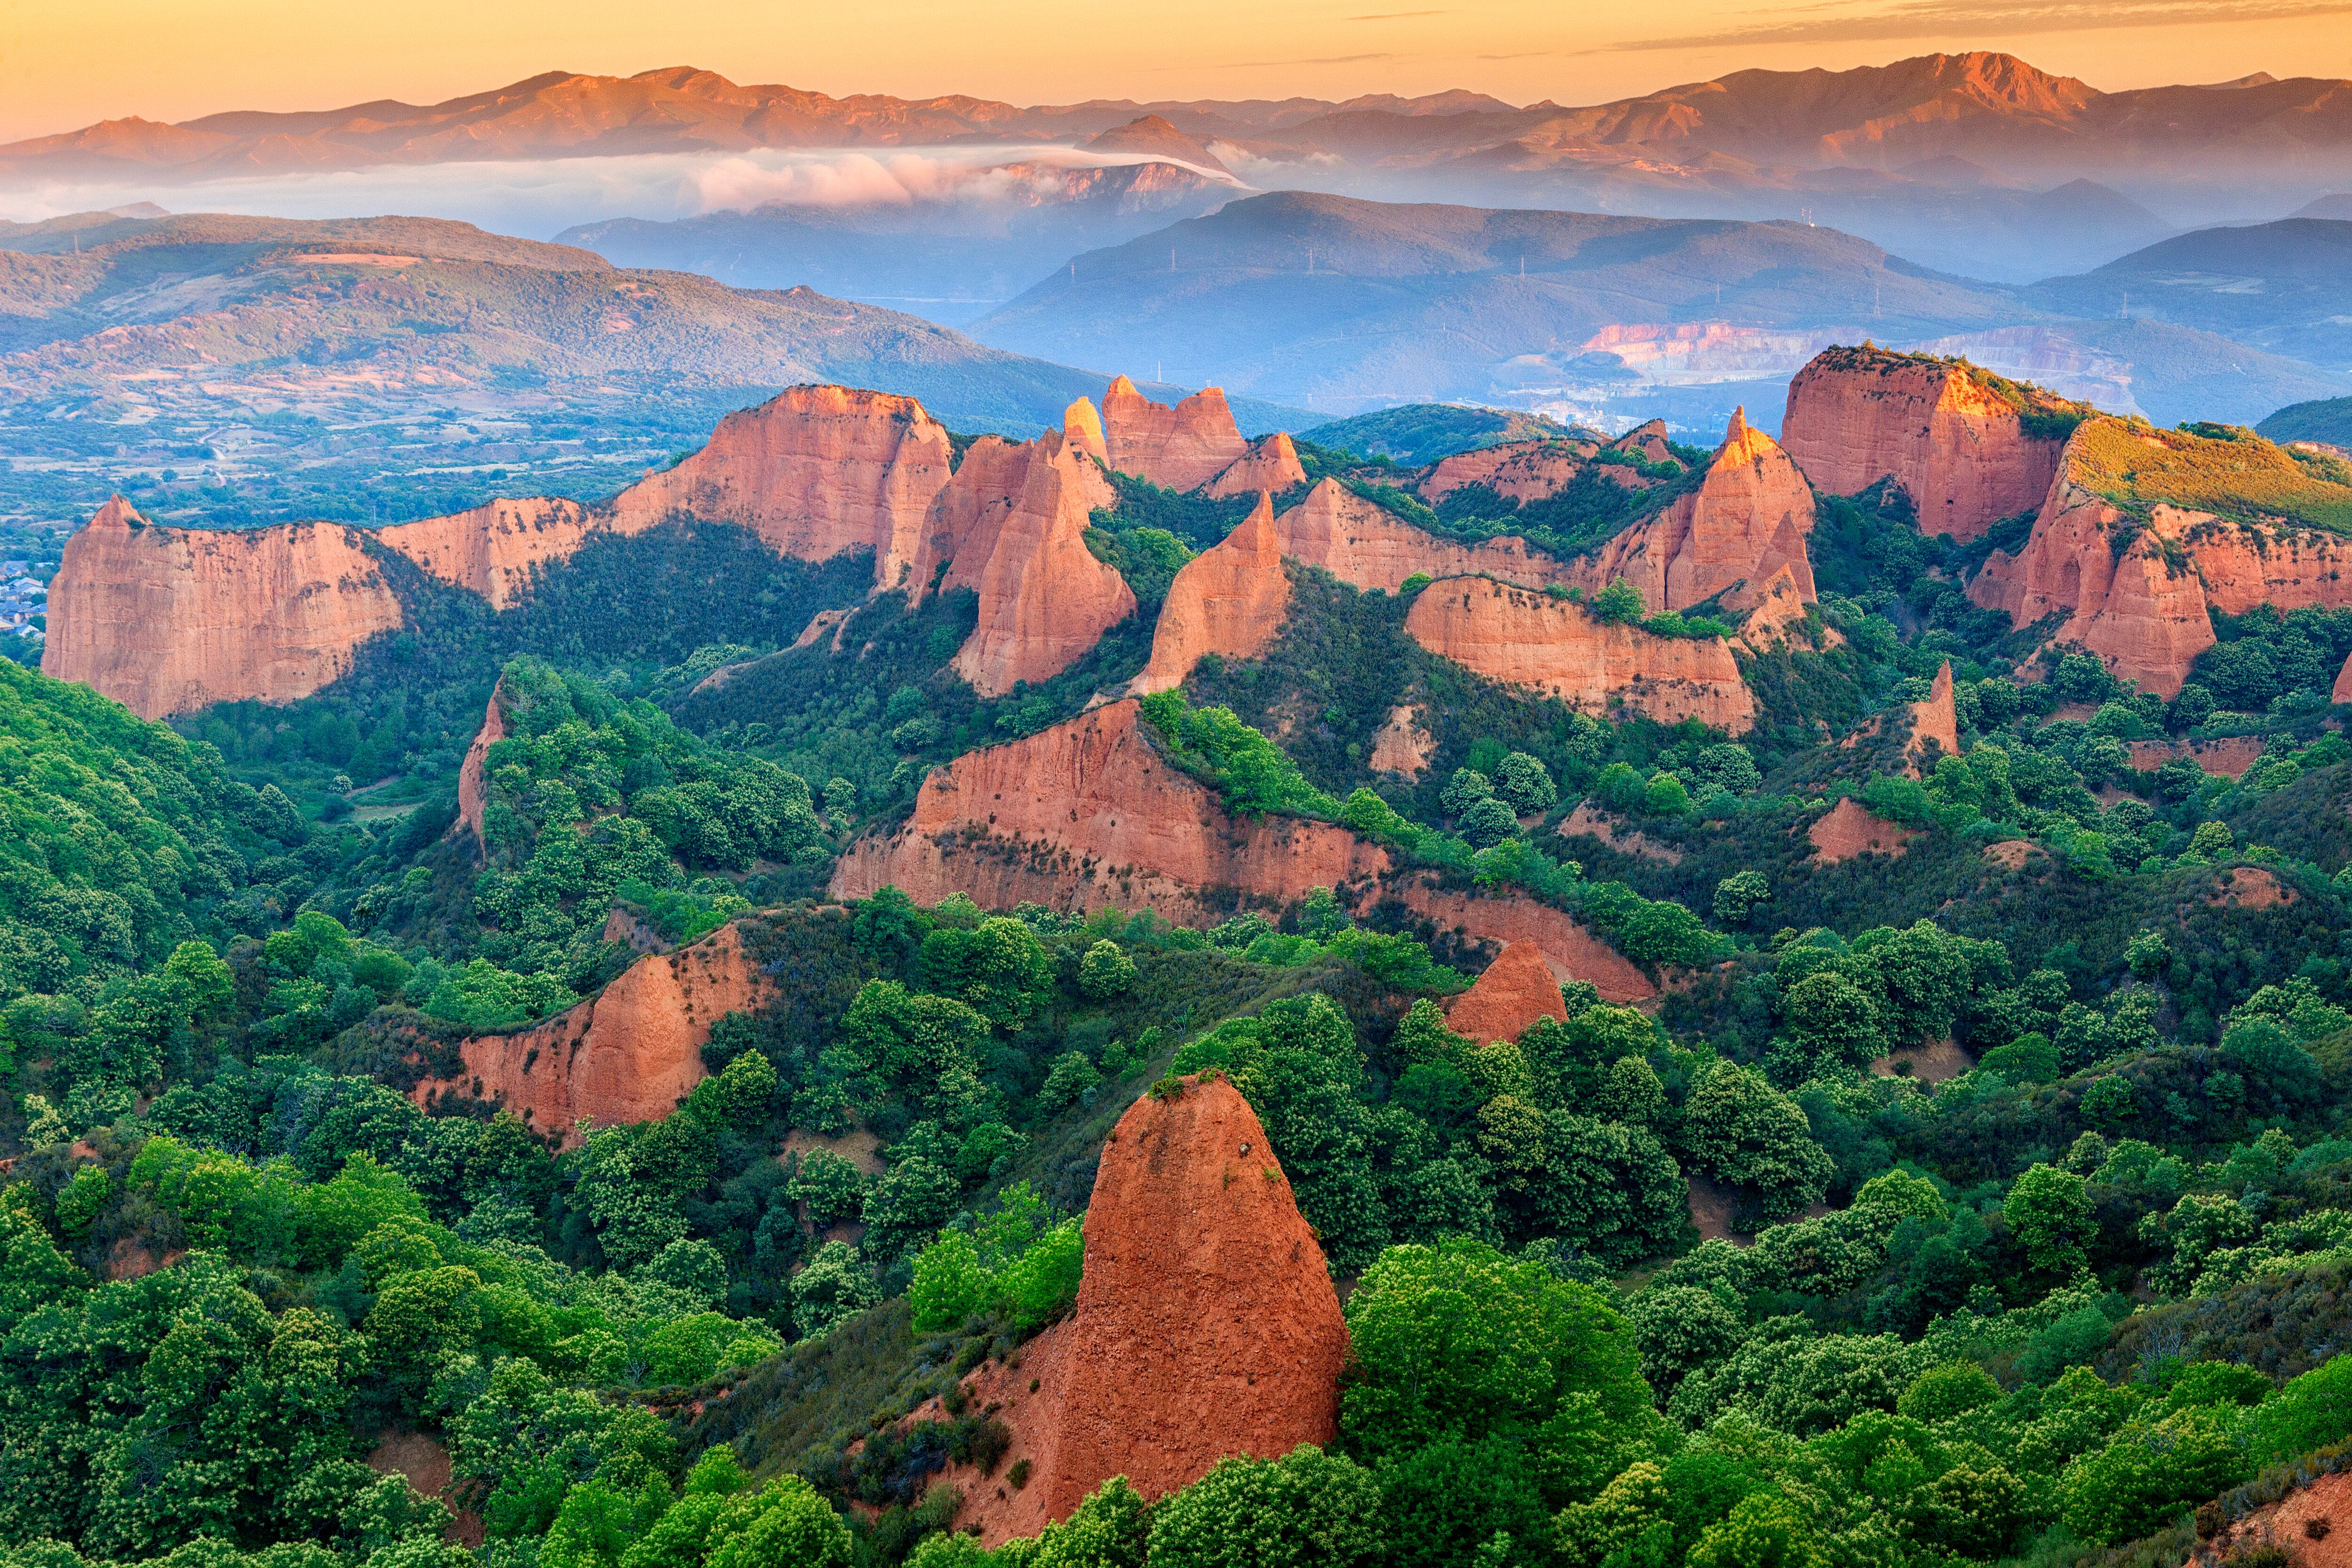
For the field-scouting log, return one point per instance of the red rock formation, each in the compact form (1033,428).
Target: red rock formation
(1044,599)
(1082,428)
(1934,720)
(2311,1527)
(1180,448)
(1746,521)
(1856,416)
(473,786)
(1847,829)
(1401,746)
(1207,1323)
(1525,639)
(2231,755)
(1573,952)
(1517,471)
(1271,466)
(2140,593)
(816,471)
(1779,615)
(168,620)
(2144,616)
(1647,442)
(1514,991)
(627,1054)
(1228,599)
(2343,689)
(1362,542)
(1086,814)
(492,549)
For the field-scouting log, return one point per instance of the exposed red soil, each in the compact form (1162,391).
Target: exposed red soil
(1088,814)
(1229,600)
(424,1463)
(1515,990)
(2286,1525)
(1401,746)
(1206,1323)
(2009,852)
(473,788)
(1573,952)
(1960,453)
(2251,888)
(1589,820)
(1847,829)
(1521,638)
(2231,756)
(627,1054)
(1938,1062)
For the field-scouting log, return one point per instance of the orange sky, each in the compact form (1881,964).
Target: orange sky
(65,65)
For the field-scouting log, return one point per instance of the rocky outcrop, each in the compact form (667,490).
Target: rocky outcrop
(817,470)
(1935,720)
(1013,528)
(1229,600)
(2342,693)
(493,549)
(1521,471)
(1088,814)
(1848,829)
(1401,746)
(1779,614)
(1573,952)
(1207,1323)
(2137,588)
(627,1054)
(1646,443)
(1746,521)
(1362,542)
(1082,428)
(1271,466)
(1514,991)
(1180,448)
(169,619)
(1959,449)
(473,781)
(1559,648)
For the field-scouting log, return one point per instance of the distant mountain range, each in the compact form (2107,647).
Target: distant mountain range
(1344,304)
(400,367)
(951,256)
(1978,162)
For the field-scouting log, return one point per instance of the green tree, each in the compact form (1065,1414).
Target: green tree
(1106,972)
(1618,604)
(2145,1479)
(1523,783)
(1306,1510)
(1737,1125)
(999,970)
(2049,1213)
(1070,1079)
(1737,897)
(1456,1341)
(788,1524)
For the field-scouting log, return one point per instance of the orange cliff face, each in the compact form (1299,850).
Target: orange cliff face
(1527,639)
(1013,528)
(1271,466)
(1088,814)
(816,471)
(1207,1323)
(1937,719)
(1363,543)
(1517,470)
(2146,610)
(493,549)
(1228,599)
(1515,990)
(1180,448)
(1746,521)
(627,1054)
(473,773)
(168,620)
(1859,415)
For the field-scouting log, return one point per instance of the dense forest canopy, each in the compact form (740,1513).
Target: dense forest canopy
(1989,1202)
